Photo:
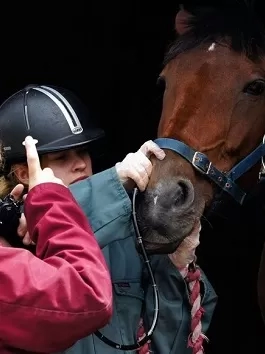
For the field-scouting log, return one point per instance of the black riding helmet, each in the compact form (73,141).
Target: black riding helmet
(52,115)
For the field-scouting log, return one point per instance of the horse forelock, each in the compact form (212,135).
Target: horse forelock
(240,25)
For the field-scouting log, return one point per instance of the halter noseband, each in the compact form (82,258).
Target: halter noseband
(225,180)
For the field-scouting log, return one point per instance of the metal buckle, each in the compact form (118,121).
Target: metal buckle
(197,158)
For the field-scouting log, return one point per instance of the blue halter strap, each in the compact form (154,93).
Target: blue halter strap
(226,181)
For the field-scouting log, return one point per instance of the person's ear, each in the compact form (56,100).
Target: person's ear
(21,172)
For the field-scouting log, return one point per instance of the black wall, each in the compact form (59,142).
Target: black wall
(110,54)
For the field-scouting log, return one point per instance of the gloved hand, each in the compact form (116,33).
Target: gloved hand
(185,253)
(136,167)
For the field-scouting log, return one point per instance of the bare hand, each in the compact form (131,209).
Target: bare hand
(37,175)
(22,231)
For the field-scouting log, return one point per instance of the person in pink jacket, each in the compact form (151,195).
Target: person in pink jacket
(65,288)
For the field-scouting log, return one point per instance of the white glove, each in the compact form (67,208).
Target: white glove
(185,253)
(137,167)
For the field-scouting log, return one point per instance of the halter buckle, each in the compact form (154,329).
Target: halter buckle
(201,163)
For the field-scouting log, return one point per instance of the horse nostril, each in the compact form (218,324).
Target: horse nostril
(181,194)
(184,195)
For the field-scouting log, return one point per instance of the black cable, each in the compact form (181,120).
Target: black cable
(146,338)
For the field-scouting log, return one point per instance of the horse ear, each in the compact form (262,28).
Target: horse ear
(181,20)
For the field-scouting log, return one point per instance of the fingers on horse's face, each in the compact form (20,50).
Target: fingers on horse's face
(214,102)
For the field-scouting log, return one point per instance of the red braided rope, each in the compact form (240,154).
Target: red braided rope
(196,336)
(192,276)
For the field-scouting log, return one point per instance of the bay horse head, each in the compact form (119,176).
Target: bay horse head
(212,123)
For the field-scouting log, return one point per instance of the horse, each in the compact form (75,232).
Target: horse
(212,128)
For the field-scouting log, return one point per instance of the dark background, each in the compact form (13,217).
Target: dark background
(110,54)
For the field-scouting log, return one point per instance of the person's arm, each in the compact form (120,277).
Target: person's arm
(47,304)
(104,196)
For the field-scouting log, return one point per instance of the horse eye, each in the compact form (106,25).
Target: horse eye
(255,88)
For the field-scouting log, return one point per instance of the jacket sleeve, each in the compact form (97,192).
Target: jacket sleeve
(51,300)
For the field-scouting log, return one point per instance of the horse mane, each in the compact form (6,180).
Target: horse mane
(240,24)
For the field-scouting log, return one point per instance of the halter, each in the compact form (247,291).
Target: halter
(225,180)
